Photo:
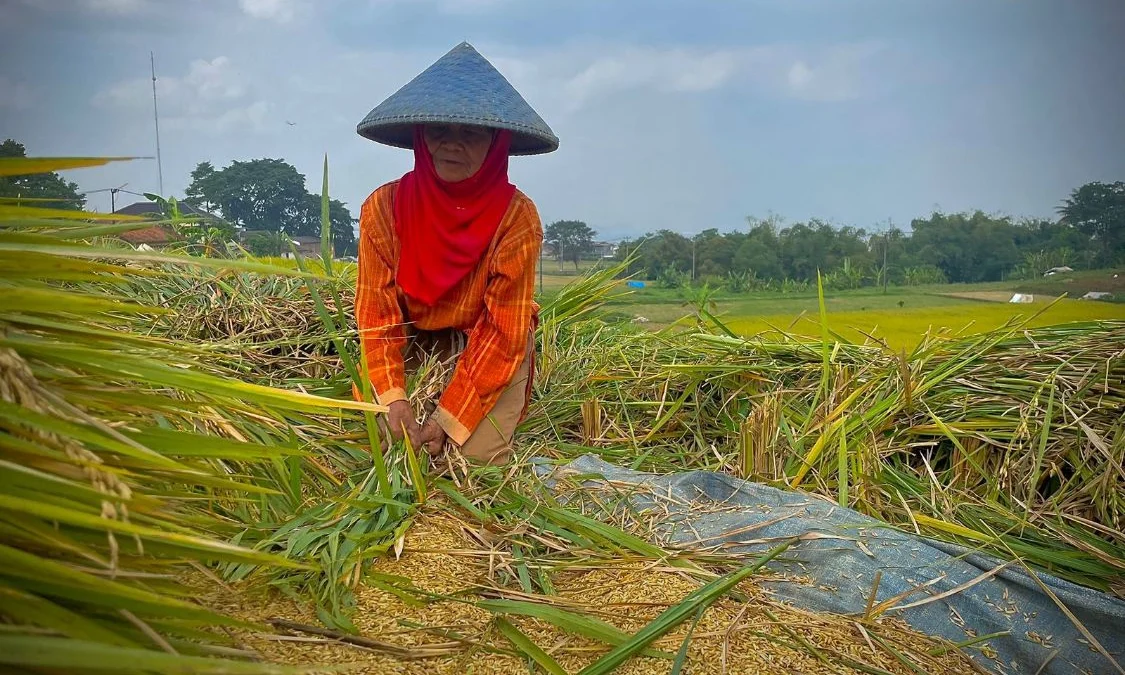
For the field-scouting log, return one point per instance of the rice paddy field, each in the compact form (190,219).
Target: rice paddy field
(899,318)
(905,329)
(190,486)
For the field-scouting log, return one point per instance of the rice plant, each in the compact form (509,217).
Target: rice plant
(128,458)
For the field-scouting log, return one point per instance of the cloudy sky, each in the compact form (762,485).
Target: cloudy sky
(681,115)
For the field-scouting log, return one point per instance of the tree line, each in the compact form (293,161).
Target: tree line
(268,197)
(959,247)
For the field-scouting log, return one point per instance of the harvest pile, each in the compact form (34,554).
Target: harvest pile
(145,450)
(1010,440)
(446,555)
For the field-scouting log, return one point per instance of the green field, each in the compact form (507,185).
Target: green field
(901,316)
(904,328)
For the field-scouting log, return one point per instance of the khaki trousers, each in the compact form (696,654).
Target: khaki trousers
(490,442)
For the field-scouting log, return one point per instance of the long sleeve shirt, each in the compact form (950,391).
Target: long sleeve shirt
(493,305)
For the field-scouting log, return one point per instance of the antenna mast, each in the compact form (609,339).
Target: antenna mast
(156,119)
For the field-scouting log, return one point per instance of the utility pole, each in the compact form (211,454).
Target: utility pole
(886,245)
(156,120)
(541,269)
(112,195)
(693,258)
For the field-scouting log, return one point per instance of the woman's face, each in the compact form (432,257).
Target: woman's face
(458,149)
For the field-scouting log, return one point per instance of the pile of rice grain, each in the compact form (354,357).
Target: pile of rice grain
(757,636)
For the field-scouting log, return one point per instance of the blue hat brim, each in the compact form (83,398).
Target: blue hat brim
(461,87)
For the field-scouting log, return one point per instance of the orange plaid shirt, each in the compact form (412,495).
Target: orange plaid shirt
(493,305)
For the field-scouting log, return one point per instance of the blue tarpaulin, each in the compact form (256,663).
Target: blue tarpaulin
(939,589)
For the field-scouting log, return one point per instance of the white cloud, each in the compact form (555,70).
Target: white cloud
(205,82)
(837,75)
(253,116)
(574,78)
(214,79)
(799,75)
(211,96)
(664,70)
(281,11)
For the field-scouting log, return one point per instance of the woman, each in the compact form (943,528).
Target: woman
(447,255)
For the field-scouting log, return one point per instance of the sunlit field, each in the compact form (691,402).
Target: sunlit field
(905,328)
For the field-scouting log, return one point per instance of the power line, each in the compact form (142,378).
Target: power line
(112,195)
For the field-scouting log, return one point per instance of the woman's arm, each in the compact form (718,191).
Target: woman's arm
(497,343)
(378,313)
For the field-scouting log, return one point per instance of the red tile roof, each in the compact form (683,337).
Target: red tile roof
(150,235)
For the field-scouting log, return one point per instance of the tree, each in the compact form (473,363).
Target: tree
(572,239)
(757,251)
(658,253)
(203,184)
(967,248)
(261,194)
(343,234)
(1098,211)
(269,195)
(40,185)
(713,254)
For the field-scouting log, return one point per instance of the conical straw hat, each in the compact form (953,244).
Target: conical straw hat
(462,87)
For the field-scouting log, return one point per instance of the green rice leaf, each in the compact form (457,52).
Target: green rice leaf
(529,648)
(86,656)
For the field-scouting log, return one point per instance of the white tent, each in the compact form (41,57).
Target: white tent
(1058,270)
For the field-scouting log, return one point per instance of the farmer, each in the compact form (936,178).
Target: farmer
(447,256)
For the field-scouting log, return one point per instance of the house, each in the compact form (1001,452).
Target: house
(600,249)
(307,246)
(605,249)
(156,235)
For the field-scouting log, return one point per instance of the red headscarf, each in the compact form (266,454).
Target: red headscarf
(444,228)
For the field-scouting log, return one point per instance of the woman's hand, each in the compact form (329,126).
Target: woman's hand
(401,416)
(433,437)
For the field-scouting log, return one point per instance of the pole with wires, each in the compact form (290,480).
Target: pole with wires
(156,120)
